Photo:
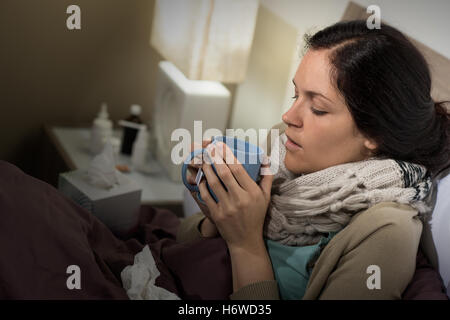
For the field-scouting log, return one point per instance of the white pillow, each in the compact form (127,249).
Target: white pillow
(440,229)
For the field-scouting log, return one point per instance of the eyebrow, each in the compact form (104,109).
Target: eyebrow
(312,93)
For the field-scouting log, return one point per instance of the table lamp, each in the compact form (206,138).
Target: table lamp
(205,43)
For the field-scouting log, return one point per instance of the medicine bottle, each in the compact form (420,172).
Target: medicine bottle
(101,130)
(130,129)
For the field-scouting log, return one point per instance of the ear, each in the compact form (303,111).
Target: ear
(370,144)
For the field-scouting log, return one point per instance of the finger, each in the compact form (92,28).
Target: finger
(236,168)
(195,195)
(265,162)
(266,185)
(214,183)
(266,170)
(203,207)
(206,196)
(197,161)
(193,170)
(205,143)
(224,173)
(190,179)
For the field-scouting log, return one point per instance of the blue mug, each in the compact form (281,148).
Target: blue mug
(249,155)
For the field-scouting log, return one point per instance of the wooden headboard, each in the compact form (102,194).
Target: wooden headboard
(439,65)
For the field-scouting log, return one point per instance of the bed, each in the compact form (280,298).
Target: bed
(43,233)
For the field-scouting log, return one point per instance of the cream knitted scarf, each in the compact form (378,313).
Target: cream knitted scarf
(303,208)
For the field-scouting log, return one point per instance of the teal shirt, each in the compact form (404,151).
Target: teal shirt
(290,266)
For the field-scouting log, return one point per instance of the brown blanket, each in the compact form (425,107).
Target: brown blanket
(42,233)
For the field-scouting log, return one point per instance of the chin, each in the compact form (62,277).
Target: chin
(293,164)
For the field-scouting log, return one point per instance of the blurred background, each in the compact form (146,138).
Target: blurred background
(54,76)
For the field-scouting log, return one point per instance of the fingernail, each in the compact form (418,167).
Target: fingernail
(207,158)
(266,160)
(219,149)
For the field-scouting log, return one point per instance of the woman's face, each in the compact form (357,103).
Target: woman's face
(321,131)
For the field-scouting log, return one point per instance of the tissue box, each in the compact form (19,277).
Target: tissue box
(117,207)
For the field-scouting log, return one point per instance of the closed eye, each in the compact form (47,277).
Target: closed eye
(318,112)
(313,110)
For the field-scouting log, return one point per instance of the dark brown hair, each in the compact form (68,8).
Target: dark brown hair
(386,84)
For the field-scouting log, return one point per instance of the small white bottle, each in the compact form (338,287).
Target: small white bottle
(101,130)
(140,150)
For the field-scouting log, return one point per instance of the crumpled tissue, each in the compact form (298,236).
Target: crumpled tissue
(102,170)
(139,279)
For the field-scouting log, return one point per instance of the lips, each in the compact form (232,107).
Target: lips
(292,141)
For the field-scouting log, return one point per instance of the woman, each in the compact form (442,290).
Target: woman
(342,218)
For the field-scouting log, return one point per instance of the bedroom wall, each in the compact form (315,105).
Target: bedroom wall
(426,21)
(50,74)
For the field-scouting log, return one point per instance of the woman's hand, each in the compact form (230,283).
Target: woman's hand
(207,227)
(240,213)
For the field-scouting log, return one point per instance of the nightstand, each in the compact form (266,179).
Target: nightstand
(71,146)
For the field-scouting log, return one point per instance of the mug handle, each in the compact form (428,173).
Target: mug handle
(184,169)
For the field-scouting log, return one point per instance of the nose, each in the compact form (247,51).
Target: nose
(293,117)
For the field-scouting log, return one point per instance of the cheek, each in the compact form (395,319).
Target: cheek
(320,135)
(329,141)
(337,141)
(326,142)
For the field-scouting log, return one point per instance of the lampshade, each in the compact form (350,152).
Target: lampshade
(205,39)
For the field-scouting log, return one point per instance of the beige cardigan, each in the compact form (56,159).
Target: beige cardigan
(386,235)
